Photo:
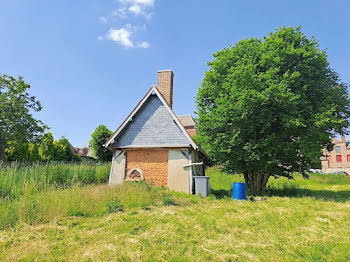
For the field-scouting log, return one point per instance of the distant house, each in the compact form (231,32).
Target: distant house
(153,144)
(84,152)
(339,158)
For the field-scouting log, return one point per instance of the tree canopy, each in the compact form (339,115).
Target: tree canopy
(44,149)
(64,150)
(98,138)
(16,107)
(267,107)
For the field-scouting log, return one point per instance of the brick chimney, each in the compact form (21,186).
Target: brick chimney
(165,85)
(343,139)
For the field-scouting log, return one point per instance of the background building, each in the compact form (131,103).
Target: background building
(339,158)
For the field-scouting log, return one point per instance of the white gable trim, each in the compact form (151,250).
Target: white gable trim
(152,91)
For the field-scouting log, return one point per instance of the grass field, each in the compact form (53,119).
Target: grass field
(301,220)
(17,179)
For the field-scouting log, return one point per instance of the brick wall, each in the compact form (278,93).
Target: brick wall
(165,85)
(332,162)
(153,163)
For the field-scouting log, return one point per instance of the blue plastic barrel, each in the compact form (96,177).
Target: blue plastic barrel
(239,191)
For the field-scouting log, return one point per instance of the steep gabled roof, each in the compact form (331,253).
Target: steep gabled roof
(152,91)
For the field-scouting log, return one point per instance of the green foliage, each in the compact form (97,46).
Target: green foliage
(17,151)
(20,133)
(268,106)
(16,120)
(63,150)
(46,147)
(114,206)
(33,152)
(99,137)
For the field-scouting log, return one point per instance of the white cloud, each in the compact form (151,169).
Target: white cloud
(123,20)
(136,9)
(140,2)
(121,12)
(144,44)
(135,28)
(120,36)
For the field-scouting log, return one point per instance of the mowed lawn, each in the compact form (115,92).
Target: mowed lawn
(300,220)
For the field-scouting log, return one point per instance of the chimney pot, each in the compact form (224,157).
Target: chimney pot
(165,85)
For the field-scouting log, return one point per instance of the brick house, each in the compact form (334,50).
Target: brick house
(153,144)
(338,159)
(85,152)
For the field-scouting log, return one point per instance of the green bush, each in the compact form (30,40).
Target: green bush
(114,206)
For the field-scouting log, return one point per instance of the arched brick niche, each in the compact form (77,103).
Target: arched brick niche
(134,174)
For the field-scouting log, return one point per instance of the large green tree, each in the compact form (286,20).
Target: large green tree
(16,107)
(98,138)
(267,107)
(17,151)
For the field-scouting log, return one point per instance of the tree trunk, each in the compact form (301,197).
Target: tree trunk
(2,153)
(256,182)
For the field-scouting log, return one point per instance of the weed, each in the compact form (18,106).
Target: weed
(168,200)
(114,206)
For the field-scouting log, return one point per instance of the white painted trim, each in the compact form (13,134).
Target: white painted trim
(153,146)
(153,90)
(124,156)
(190,171)
(111,171)
(109,141)
(194,164)
(194,124)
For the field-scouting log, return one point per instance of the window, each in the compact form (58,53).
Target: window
(338,157)
(337,149)
(348,157)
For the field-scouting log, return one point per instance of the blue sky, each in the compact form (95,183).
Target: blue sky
(90,61)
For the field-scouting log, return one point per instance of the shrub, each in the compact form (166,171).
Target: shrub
(114,206)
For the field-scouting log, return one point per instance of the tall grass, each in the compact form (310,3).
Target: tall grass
(40,193)
(18,178)
(90,201)
(154,224)
(43,193)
